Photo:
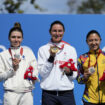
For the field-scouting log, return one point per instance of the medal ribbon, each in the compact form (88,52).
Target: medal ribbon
(21,52)
(96,58)
(60,48)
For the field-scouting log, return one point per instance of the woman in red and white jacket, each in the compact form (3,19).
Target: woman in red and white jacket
(14,63)
(56,83)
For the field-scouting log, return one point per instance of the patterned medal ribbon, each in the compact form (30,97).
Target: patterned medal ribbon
(96,58)
(21,52)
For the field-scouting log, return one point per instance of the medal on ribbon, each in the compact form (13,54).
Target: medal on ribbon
(91,69)
(18,56)
(54,49)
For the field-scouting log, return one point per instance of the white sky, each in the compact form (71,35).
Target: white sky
(50,6)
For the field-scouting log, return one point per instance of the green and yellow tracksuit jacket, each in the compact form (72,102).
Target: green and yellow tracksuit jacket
(94,88)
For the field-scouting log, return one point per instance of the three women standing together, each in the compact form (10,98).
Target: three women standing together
(57,66)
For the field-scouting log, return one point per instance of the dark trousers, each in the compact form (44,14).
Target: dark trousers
(87,103)
(58,97)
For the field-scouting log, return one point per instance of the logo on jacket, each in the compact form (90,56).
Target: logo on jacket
(59,62)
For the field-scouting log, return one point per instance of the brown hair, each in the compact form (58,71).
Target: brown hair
(56,22)
(17,27)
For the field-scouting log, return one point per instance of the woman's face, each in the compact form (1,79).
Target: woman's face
(57,32)
(93,41)
(15,38)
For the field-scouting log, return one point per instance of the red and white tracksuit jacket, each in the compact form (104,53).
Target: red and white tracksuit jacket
(14,80)
(52,77)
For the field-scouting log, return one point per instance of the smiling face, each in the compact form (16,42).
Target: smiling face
(93,41)
(15,38)
(57,32)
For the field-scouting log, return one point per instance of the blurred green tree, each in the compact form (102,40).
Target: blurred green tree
(72,5)
(92,6)
(87,6)
(15,6)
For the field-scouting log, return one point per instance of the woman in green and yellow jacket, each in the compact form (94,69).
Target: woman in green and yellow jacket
(91,66)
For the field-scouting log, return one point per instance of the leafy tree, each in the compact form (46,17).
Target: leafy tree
(73,5)
(87,6)
(14,6)
(92,6)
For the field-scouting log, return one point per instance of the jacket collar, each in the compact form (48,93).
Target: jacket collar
(15,47)
(60,45)
(95,52)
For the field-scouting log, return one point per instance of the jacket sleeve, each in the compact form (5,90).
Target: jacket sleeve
(44,66)
(80,77)
(74,57)
(5,74)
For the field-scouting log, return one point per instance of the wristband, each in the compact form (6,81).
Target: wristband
(51,59)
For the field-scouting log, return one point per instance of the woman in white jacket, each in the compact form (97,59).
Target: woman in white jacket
(14,63)
(57,84)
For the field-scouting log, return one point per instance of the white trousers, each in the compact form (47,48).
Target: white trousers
(12,98)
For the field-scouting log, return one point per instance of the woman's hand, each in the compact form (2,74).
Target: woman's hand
(67,71)
(15,63)
(53,50)
(87,74)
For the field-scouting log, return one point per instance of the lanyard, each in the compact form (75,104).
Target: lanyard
(21,52)
(60,48)
(96,58)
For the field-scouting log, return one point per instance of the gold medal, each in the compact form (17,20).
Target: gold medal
(54,49)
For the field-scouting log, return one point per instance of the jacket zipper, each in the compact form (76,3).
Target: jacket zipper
(98,79)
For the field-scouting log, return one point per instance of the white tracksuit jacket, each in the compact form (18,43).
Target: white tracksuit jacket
(52,76)
(14,80)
